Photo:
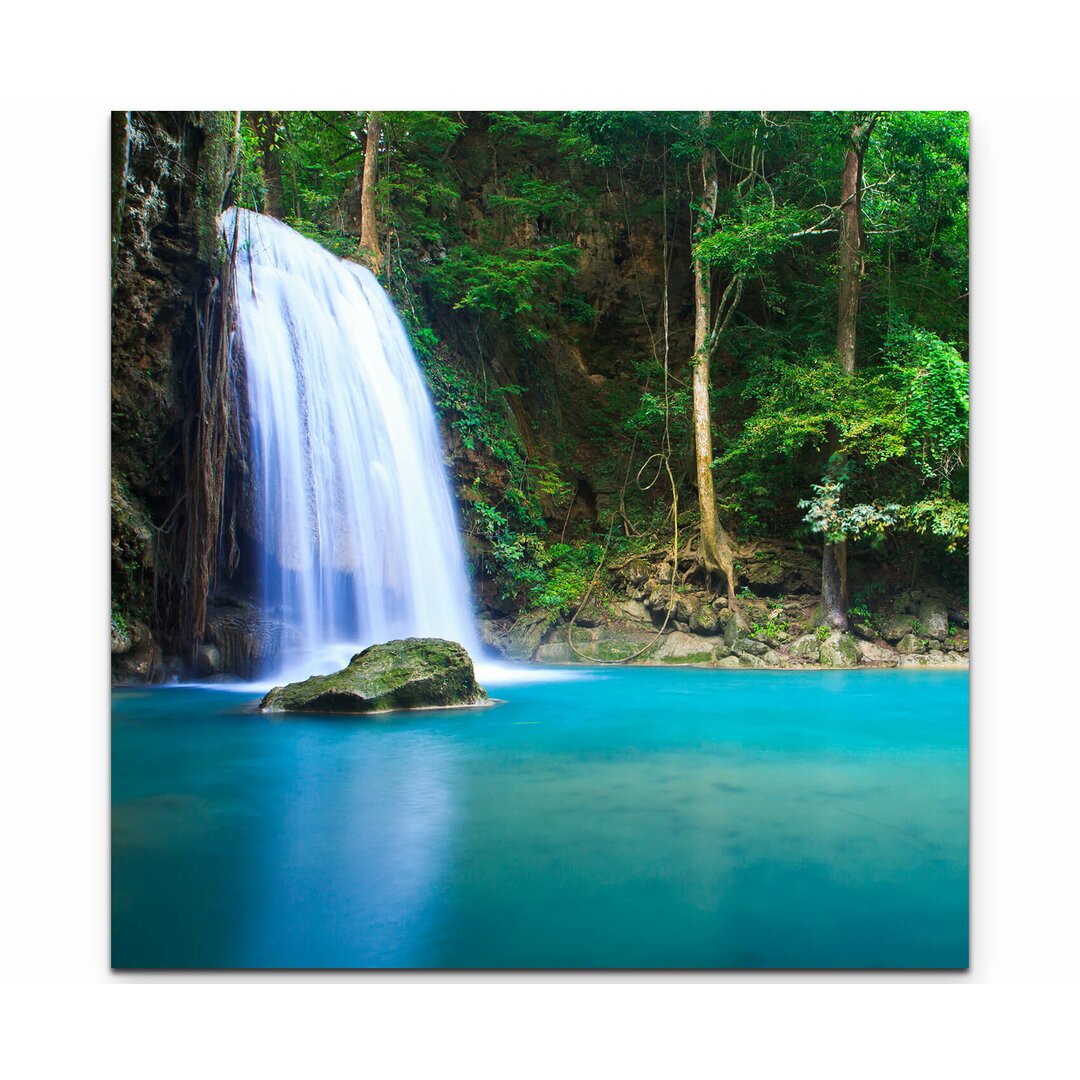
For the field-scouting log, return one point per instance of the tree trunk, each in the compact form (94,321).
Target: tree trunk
(369,232)
(715,549)
(266,124)
(834,588)
(851,257)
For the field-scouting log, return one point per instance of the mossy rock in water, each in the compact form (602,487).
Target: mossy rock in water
(412,673)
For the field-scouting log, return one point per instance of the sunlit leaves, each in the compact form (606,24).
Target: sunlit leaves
(827,514)
(525,281)
(746,243)
(933,381)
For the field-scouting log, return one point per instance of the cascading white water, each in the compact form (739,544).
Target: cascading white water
(355,519)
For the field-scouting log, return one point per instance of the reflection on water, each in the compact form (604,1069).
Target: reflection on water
(634,818)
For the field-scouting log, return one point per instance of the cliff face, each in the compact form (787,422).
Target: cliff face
(170,175)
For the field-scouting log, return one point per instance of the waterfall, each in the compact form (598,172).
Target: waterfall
(354,517)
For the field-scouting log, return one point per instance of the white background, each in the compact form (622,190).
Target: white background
(65,69)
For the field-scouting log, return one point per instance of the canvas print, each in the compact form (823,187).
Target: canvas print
(539,540)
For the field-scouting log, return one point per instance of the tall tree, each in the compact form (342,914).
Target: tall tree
(369,232)
(834,590)
(268,127)
(714,552)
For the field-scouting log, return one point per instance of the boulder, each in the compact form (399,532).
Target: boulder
(935,660)
(729,662)
(897,626)
(684,609)
(862,628)
(746,646)
(705,619)
(633,610)
(634,576)
(137,659)
(934,618)
(680,648)
(411,673)
(750,661)
(839,650)
(657,601)
(516,639)
(806,647)
(909,644)
(876,655)
(732,627)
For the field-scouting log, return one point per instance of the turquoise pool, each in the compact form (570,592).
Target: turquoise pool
(618,818)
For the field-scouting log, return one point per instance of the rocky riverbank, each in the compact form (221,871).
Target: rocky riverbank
(776,625)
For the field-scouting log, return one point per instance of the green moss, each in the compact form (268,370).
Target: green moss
(217,154)
(411,673)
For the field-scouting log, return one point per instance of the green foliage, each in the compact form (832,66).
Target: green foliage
(487,216)
(801,403)
(476,414)
(341,245)
(941,516)
(919,214)
(511,283)
(933,382)
(774,627)
(568,571)
(532,197)
(746,243)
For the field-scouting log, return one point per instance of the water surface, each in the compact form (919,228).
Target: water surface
(629,817)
